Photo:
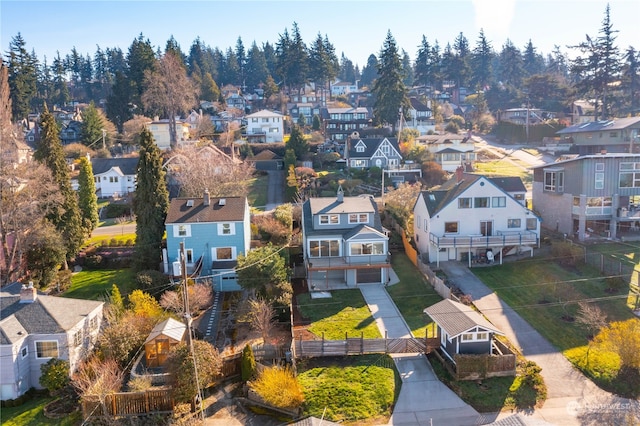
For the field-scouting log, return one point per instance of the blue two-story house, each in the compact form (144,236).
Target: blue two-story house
(344,242)
(214,231)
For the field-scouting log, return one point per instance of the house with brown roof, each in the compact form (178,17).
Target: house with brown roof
(214,230)
(35,328)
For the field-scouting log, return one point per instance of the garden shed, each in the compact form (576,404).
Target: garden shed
(164,336)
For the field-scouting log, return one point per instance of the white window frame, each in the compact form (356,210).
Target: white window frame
(499,201)
(359,218)
(514,223)
(329,242)
(227,226)
(476,202)
(465,202)
(329,219)
(77,338)
(57,355)
(367,243)
(181,231)
(24,352)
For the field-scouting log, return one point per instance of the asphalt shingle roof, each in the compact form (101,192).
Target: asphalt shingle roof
(233,210)
(455,318)
(328,205)
(371,145)
(127,166)
(170,328)
(597,126)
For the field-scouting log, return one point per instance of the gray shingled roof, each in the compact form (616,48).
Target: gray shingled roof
(455,318)
(599,126)
(327,205)
(232,211)
(371,145)
(47,315)
(127,166)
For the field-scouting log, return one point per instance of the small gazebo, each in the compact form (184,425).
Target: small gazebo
(164,336)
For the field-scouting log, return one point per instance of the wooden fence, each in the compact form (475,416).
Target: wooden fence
(361,346)
(474,367)
(128,404)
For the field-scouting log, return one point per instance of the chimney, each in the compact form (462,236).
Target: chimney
(459,174)
(207,198)
(28,294)
(340,197)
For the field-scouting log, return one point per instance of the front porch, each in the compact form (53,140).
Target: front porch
(319,280)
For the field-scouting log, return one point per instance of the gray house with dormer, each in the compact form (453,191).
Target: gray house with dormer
(363,153)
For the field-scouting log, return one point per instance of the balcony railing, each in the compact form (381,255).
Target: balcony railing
(346,262)
(503,238)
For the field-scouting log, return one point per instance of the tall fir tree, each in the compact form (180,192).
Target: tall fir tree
(297,143)
(389,88)
(150,204)
(481,59)
(92,126)
(22,68)
(66,216)
(87,198)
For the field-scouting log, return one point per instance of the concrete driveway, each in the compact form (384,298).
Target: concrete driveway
(572,398)
(423,399)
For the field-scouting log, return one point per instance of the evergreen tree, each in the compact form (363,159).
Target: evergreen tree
(150,205)
(22,68)
(510,71)
(230,73)
(87,198)
(316,123)
(370,71)
(532,62)
(481,60)
(92,126)
(299,58)
(66,216)
(422,68)
(347,71)
(60,95)
(407,69)
(460,67)
(242,60)
(256,68)
(173,47)
(323,62)
(140,58)
(297,143)
(209,89)
(631,79)
(389,89)
(599,68)
(119,101)
(270,58)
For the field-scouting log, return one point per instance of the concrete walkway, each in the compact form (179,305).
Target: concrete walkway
(423,399)
(572,398)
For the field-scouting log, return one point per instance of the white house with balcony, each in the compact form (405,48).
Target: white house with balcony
(265,126)
(478,219)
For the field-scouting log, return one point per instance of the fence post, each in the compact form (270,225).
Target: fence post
(146,401)
(113,404)
(386,343)
(322,350)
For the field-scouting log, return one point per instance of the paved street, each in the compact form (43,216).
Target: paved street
(114,230)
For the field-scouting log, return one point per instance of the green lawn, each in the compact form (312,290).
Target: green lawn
(120,240)
(350,388)
(31,413)
(543,292)
(504,168)
(412,295)
(345,312)
(96,284)
(257,196)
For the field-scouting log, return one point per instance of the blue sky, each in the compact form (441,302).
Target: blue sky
(357,28)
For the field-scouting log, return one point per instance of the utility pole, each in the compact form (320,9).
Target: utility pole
(187,319)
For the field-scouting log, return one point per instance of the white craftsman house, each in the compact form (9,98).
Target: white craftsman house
(476,219)
(114,177)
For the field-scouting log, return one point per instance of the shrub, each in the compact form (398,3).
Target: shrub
(452,127)
(94,261)
(129,243)
(272,230)
(54,375)
(63,280)
(248,365)
(278,387)
(151,279)
(181,369)
(284,214)
(113,211)
(140,383)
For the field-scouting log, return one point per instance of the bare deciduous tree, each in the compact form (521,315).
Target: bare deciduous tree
(591,316)
(262,317)
(200,296)
(196,169)
(169,90)
(98,378)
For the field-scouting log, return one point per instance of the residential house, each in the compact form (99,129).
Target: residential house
(71,132)
(420,116)
(236,100)
(344,243)
(594,137)
(35,328)
(307,109)
(461,329)
(450,150)
(521,116)
(362,153)
(266,160)
(165,336)
(160,131)
(340,123)
(339,88)
(591,196)
(476,214)
(214,230)
(582,111)
(265,126)
(114,177)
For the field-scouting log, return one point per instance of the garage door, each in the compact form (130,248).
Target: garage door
(369,276)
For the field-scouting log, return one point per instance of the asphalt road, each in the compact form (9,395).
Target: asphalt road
(114,230)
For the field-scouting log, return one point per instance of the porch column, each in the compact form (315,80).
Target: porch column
(613,223)
(582,217)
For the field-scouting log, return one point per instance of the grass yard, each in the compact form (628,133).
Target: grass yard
(544,292)
(31,413)
(119,240)
(494,394)
(350,388)
(257,196)
(504,168)
(96,284)
(345,312)
(412,294)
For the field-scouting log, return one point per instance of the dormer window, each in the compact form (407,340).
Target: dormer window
(360,148)
(329,219)
(359,218)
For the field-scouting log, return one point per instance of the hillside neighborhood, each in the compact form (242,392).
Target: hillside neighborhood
(191,243)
